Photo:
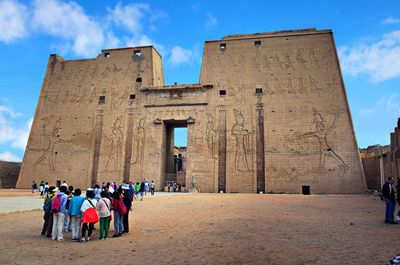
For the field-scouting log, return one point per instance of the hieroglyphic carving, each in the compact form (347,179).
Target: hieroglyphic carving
(321,134)
(53,140)
(115,139)
(210,136)
(313,58)
(300,60)
(277,62)
(140,131)
(289,65)
(242,146)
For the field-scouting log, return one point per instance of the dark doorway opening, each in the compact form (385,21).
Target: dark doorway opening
(175,155)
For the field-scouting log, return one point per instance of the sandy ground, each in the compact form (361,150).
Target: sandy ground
(220,229)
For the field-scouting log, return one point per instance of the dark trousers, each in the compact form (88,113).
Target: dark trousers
(48,224)
(152,191)
(84,228)
(125,220)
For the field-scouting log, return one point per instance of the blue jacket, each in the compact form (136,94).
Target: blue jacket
(75,205)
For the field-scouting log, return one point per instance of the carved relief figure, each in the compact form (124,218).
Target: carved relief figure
(211,133)
(115,138)
(321,134)
(242,136)
(140,142)
(53,139)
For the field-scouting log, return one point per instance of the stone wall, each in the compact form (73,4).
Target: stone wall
(9,172)
(372,172)
(270,114)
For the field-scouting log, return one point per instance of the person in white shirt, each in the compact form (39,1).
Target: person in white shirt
(87,220)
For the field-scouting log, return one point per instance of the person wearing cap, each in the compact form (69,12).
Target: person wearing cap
(48,215)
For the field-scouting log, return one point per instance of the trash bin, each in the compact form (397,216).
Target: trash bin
(305,190)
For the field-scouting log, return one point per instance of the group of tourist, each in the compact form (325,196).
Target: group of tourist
(388,194)
(66,210)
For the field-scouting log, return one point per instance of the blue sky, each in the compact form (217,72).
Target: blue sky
(367,35)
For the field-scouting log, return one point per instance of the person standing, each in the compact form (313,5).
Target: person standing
(34,187)
(75,205)
(41,188)
(127,200)
(118,207)
(104,208)
(141,190)
(59,212)
(46,189)
(152,187)
(48,215)
(90,217)
(390,201)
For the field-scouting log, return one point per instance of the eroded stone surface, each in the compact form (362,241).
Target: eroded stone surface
(269,114)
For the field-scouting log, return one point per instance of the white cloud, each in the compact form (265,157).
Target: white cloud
(74,30)
(12,21)
(10,131)
(68,21)
(211,21)
(180,56)
(128,16)
(10,157)
(387,104)
(390,20)
(22,135)
(379,60)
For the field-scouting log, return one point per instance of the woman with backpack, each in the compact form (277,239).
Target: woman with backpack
(104,208)
(48,215)
(90,217)
(119,211)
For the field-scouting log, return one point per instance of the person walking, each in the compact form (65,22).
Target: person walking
(104,208)
(152,187)
(390,201)
(34,187)
(141,190)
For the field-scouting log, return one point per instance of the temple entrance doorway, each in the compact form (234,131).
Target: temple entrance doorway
(175,155)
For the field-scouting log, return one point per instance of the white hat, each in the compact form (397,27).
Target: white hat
(125,186)
(64,184)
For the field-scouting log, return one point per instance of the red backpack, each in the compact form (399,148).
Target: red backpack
(56,205)
(122,207)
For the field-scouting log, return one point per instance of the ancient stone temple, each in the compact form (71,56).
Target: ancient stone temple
(269,114)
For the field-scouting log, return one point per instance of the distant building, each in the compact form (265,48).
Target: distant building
(380,162)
